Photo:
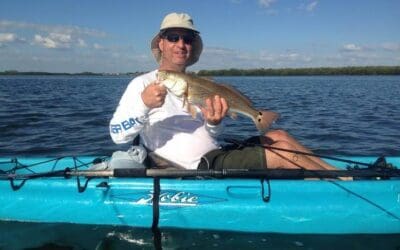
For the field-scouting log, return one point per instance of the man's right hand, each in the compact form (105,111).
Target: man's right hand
(153,95)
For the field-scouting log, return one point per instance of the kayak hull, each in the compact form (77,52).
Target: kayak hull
(245,205)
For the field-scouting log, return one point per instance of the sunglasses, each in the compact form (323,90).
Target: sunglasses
(173,38)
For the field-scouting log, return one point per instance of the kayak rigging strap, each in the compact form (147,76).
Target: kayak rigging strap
(265,197)
(17,173)
(17,181)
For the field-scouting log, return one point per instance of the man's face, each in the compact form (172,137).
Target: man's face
(176,47)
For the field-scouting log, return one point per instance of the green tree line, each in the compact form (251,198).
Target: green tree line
(367,70)
(15,72)
(86,73)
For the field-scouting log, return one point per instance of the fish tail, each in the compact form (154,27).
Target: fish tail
(264,119)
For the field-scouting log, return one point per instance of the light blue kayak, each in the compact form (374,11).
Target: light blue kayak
(229,204)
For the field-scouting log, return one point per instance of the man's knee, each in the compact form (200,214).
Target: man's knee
(282,145)
(278,135)
(280,158)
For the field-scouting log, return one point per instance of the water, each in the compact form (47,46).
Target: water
(59,116)
(49,236)
(55,115)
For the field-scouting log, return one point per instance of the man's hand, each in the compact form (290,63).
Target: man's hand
(153,96)
(214,110)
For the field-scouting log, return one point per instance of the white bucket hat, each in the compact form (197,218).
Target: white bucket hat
(182,21)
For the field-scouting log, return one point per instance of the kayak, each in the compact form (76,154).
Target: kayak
(67,190)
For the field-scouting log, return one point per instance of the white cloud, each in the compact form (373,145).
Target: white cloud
(351,47)
(45,42)
(49,36)
(59,41)
(97,46)
(7,37)
(293,57)
(81,43)
(54,41)
(311,6)
(370,48)
(265,56)
(218,51)
(390,46)
(10,38)
(363,55)
(60,29)
(61,38)
(266,3)
(282,58)
(290,56)
(223,58)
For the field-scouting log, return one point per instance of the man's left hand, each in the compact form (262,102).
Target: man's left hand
(214,110)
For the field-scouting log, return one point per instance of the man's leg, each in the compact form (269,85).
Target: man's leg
(277,158)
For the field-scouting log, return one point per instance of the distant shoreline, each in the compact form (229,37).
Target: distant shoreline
(38,73)
(353,70)
(365,70)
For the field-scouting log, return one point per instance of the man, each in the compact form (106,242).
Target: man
(166,128)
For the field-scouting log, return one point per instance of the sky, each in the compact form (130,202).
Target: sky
(114,36)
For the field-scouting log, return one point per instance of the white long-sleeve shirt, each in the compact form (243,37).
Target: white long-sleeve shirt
(170,131)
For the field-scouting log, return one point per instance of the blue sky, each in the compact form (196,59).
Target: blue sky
(114,36)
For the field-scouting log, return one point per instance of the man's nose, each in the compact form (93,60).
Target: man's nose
(180,42)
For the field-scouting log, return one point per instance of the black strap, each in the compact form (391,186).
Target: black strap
(156,214)
(156,202)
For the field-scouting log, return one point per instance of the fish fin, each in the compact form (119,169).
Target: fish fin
(230,88)
(264,119)
(233,115)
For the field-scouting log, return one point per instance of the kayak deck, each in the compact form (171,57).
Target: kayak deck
(246,205)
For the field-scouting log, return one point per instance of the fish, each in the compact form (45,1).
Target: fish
(194,90)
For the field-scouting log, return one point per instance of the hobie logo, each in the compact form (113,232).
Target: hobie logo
(168,198)
(171,199)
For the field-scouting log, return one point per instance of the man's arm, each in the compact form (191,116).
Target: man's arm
(132,111)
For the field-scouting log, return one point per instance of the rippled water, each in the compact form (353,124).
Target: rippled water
(352,115)
(67,236)
(57,116)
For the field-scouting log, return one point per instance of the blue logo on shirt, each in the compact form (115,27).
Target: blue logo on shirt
(125,125)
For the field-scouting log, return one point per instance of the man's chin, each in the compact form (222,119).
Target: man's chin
(182,61)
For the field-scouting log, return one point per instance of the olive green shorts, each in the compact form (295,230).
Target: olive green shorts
(235,157)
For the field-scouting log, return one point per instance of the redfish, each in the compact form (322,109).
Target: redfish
(195,90)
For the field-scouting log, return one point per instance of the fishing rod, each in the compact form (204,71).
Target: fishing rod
(223,173)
